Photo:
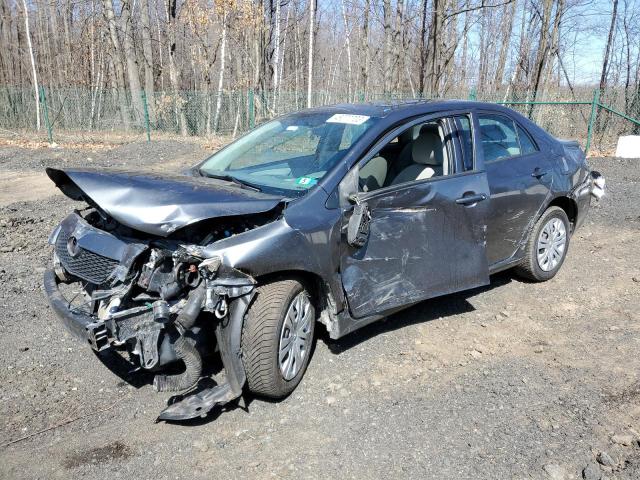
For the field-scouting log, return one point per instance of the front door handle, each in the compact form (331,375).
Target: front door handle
(471,199)
(538,173)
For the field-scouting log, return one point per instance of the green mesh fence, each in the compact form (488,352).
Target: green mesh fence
(76,112)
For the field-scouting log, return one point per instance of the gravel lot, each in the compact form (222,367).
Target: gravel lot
(516,380)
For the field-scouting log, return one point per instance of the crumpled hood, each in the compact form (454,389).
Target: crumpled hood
(159,204)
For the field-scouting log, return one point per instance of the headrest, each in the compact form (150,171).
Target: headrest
(492,133)
(427,148)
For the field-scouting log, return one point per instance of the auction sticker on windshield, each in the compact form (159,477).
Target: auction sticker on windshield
(348,119)
(307,181)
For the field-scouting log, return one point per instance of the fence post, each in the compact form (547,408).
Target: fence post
(146,115)
(592,118)
(252,114)
(473,95)
(45,108)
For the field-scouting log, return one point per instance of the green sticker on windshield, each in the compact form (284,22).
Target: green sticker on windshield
(307,181)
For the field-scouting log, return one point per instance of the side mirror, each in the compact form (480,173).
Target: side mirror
(358,227)
(348,188)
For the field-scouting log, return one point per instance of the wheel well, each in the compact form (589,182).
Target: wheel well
(568,205)
(311,281)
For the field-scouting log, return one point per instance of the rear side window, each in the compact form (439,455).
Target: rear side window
(498,137)
(526,144)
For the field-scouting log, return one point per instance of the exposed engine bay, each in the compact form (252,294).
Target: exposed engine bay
(152,300)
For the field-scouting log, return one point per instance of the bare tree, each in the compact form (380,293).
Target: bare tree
(325,50)
(348,45)
(116,59)
(133,72)
(174,72)
(312,10)
(224,15)
(147,50)
(34,72)
(364,47)
(607,50)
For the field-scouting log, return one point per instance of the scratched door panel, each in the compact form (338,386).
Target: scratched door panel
(421,244)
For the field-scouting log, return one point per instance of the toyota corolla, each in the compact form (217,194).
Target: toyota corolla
(332,217)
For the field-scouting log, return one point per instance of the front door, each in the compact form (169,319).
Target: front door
(426,238)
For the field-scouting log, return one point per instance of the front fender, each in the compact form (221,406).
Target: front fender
(278,247)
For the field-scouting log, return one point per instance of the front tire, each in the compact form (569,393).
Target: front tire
(547,246)
(277,338)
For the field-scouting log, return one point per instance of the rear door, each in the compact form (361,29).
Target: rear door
(519,176)
(425,237)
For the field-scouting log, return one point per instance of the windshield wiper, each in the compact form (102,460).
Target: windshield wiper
(230,178)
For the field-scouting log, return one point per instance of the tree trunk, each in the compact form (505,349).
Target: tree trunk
(543,50)
(397,44)
(509,13)
(364,47)
(607,51)
(174,73)
(133,72)
(423,49)
(275,60)
(117,62)
(147,51)
(34,72)
(434,50)
(348,44)
(223,52)
(312,10)
(386,8)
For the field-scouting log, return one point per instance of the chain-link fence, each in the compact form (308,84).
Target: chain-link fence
(595,119)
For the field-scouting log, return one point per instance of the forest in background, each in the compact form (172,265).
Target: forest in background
(296,53)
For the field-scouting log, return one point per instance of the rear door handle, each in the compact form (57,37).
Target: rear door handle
(471,199)
(537,173)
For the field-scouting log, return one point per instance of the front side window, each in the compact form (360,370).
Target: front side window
(420,152)
(292,153)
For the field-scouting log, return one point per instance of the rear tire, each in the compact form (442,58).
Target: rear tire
(270,327)
(552,230)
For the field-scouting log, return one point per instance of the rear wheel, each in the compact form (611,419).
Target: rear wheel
(547,246)
(277,338)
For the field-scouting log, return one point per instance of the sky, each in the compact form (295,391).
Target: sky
(584,60)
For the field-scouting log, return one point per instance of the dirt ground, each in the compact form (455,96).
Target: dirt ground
(516,380)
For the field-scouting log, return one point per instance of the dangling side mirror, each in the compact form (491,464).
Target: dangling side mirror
(358,227)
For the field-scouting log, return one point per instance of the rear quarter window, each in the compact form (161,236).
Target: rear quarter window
(527,144)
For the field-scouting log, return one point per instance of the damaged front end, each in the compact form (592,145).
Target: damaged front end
(153,301)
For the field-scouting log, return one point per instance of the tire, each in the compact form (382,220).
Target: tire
(265,325)
(531,268)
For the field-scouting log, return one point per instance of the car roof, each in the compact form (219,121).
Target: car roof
(408,107)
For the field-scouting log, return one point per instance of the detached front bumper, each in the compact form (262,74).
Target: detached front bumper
(80,325)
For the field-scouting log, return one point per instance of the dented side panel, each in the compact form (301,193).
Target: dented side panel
(421,244)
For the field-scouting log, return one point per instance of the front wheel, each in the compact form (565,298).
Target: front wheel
(277,338)
(547,246)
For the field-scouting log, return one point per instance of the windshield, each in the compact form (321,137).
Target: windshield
(292,153)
